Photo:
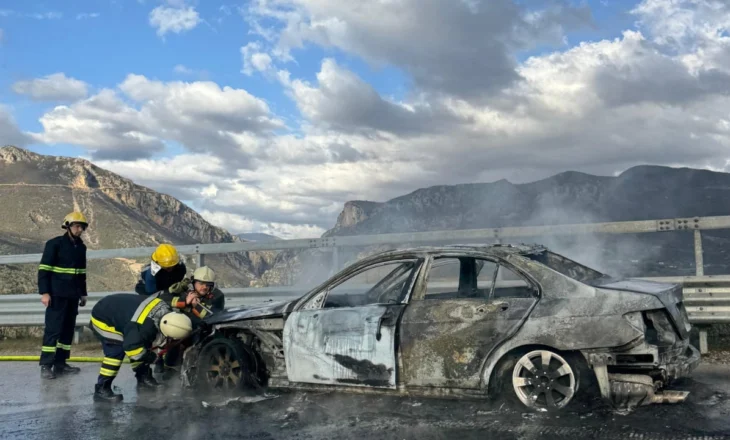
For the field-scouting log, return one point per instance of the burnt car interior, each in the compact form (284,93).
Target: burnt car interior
(386,283)
(471,277)
(568,267)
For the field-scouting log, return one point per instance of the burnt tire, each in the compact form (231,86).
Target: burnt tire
(542,380)
(226,365)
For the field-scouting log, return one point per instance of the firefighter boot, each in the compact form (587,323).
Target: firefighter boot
(103,392)
(47,372)
(66,369)
(145,379)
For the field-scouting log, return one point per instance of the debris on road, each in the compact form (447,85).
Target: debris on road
(240,399)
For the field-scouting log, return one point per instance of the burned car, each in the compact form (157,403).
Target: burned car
(514,321)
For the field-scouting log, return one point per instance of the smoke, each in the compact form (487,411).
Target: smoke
(613,254)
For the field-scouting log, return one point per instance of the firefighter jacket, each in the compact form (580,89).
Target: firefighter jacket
(162,280)
(133,320)
(215,301)
(62,272)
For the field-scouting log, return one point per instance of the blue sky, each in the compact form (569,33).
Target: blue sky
(430,102)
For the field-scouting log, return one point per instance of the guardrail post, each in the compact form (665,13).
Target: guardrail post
(335,260)
(77,334)
(699,260)
(703,341)
(199,260)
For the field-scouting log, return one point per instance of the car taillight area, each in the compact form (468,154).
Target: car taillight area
(659,328)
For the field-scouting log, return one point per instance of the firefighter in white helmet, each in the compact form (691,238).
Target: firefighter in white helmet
(132,325)
(197,297)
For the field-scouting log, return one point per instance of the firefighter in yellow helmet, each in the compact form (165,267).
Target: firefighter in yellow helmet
(164,270)
(62,285)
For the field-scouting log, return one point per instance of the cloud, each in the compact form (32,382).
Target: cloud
(465,49)
(10,134)
(343,101)
(48,15)
(655,94)
(182,70)
(87,15)
(54,87)
(200,115)
(176,20)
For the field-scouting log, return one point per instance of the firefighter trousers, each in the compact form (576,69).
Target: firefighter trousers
(111,344)
(59,331)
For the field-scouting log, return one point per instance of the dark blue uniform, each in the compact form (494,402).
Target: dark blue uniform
(62,274)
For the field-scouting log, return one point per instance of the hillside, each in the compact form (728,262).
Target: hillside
(37,191)
(639,193)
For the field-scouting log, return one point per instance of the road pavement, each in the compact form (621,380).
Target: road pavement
(64,409)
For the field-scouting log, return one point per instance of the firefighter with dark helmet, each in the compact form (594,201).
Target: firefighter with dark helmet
(164,270)
(62,286)
(132,325)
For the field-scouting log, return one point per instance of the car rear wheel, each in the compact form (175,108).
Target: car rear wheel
(225,364)
(544,380)
(541,379)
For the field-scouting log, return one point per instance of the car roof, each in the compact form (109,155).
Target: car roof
(499,250)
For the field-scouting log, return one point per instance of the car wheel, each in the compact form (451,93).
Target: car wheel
(225,364)
(542,379)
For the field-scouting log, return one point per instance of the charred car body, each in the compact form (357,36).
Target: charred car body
(519,322)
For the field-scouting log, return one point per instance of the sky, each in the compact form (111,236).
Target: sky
(268,115)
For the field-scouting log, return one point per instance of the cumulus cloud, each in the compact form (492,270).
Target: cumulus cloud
(200,115)
(657,93)
(174,19)
(10,134)
(54,87)
(343,101)
(461,48)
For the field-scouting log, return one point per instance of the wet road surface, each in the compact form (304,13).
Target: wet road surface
(64,409)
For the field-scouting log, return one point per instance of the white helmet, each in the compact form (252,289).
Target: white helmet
(204,274)
(176,325)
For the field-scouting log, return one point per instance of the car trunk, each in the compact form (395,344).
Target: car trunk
(670,295)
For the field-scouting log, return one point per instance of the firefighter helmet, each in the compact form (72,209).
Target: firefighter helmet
(74,217)
(176,325)
(204,274)
(165,255)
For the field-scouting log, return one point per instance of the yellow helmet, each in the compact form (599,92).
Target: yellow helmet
(176,325)
(74,217)
(166,255)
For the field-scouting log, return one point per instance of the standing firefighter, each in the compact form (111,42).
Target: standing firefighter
(62,285)
(164,270)
(129,324)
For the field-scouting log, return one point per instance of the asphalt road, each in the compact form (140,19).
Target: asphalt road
(64,409)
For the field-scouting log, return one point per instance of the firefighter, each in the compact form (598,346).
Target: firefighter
(194,298)
(133,325)
(62,285)
(164,270)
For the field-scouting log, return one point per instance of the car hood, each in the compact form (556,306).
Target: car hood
(271,309)
(670,295)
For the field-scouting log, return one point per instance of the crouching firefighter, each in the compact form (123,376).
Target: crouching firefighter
(197,298)
(133,324)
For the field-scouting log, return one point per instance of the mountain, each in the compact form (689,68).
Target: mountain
(639,193)
(257,236)
(37,191)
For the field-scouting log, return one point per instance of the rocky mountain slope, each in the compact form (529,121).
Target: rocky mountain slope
(640,193)
(37,191)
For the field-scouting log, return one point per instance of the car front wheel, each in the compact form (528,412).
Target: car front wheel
(224,365)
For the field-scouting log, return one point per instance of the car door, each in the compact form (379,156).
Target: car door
(467,306)
(345,334)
